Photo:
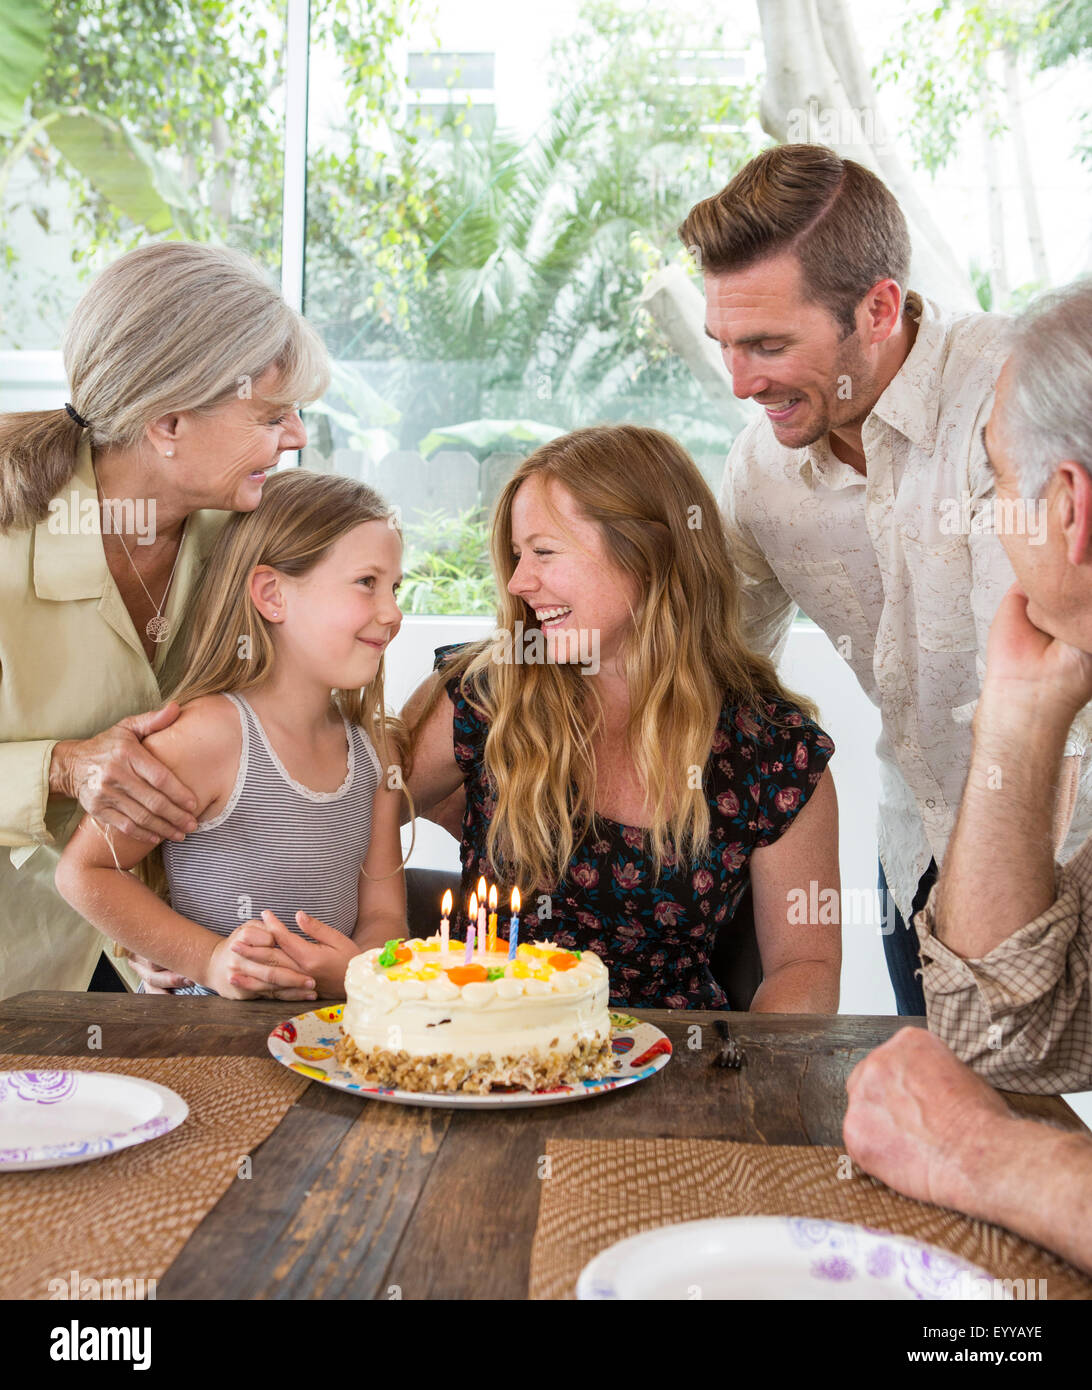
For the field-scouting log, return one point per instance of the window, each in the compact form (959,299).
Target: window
(476,204)
(465,71)
(479,243)
(101,152)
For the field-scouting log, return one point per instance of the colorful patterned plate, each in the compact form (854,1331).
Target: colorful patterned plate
(50,1118)
(306,1044)
(748,1257)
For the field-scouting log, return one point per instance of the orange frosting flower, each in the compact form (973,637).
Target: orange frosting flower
(467,974)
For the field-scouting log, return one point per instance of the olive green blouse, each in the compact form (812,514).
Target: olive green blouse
(71,665)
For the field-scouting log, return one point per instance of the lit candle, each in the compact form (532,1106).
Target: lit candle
(471,929)
(445,926)
(513,926)
(481,926)
(493,918)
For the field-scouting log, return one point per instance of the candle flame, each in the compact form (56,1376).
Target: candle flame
(515,899)
(481,889)
(473,906)
(445,907)
(493,898)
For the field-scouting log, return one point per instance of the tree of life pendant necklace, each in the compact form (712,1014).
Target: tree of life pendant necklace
(157,627)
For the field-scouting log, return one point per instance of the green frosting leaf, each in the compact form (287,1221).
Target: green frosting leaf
(495,972)
(387,956)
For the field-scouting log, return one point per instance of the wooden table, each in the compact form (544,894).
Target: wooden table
(353,1198)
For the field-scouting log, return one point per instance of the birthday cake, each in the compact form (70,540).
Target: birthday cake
(420,1018)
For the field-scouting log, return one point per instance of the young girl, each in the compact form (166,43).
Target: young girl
(628,763)
(284,742)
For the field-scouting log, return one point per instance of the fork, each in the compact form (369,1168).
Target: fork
(730,1054)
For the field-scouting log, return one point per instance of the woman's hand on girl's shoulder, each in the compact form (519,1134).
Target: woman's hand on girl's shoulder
(117,779)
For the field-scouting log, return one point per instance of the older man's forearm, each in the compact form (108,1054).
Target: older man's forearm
(1037,1181)
(998,872)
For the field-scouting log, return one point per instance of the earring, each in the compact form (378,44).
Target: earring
(170,453)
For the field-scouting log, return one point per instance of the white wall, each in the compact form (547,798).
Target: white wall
(32,380)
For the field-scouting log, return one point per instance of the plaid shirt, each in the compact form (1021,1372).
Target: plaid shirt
(1022,1015)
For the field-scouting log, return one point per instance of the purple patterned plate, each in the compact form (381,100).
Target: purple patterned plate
(50,1118)
(761,1257)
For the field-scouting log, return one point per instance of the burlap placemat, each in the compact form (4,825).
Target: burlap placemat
(127,1215)
(602,1190)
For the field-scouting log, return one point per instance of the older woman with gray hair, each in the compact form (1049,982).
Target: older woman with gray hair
(186,370)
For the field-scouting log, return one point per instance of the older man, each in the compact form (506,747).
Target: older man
(861,495)
(1006,937)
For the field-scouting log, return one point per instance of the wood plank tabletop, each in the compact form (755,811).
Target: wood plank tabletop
(357,1198)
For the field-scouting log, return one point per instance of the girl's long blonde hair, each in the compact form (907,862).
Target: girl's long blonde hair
(685,655)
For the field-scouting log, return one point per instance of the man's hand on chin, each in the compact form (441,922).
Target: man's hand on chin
(1027,665)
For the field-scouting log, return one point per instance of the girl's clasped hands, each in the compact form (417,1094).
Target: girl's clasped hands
(262,955)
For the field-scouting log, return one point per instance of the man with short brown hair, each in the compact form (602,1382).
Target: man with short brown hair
(863,497)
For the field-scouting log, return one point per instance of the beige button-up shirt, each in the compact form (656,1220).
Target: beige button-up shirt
(71,665)
(900,567)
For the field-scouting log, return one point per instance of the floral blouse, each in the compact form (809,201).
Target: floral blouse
(656,938)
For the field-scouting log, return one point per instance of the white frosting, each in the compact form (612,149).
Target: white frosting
(507,1016)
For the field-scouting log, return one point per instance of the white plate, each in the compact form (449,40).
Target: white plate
(50,1118)
(306,1044)
(775,1257)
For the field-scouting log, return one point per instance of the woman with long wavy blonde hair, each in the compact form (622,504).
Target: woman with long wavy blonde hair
(295,865)
(628,763)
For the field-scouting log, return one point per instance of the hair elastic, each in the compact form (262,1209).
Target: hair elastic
(76,416)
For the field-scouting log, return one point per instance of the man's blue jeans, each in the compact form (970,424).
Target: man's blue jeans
(900,945)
